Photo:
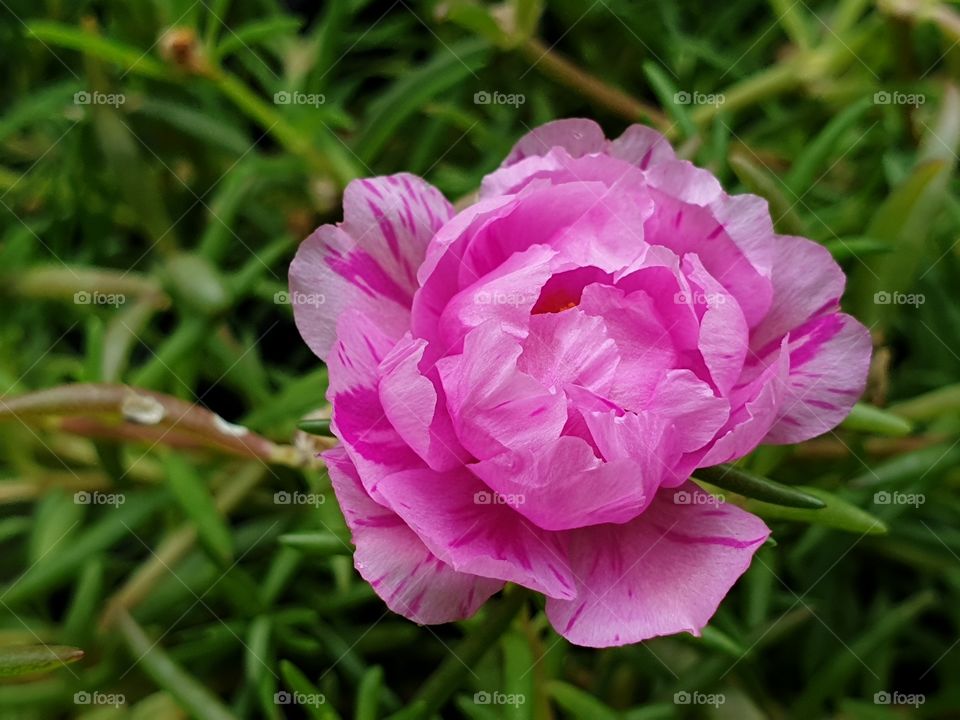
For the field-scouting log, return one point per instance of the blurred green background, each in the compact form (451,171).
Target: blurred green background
(159,162)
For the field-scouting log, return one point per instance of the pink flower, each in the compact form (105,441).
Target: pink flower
(522,389)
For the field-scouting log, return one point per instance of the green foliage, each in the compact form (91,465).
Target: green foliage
(159,162)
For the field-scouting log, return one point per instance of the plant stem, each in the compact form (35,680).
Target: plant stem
(448,677)
(565,72)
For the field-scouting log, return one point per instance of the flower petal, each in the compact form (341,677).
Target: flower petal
(415,408)
(829,360)
(564,485)
(368,262)
(806,282)
(494,405)
(664,572)
(467,527)
(359,418)
(411,580)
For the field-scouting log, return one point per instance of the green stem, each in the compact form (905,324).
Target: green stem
(335,162)
(449,676)
(565,72)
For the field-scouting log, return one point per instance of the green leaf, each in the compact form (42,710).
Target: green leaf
(749,485)
(198,505)
(411,92)
(115,525)
(581,705)
(838,513)
(821,149)
(29,659)
(844,248)
(870,419)
(255,32)
(197,700)
(909,466)
(368,694)
(669,98)
(318,426)
(299,685)
(131,59)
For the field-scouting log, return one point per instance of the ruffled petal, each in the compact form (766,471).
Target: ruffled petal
(664,572)
(359,418)
(806,282)
(474,531)
(829,360)
(564,485)
(415,409)
(494,405)
(410,579)
(369,262)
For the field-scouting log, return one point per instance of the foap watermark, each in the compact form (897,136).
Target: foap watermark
(282,497)
(885,97)
(284,97)
(83,97)
(886,497)
(99,698)
(696,297)
(685,497)
(698,98)
(696,697)
(498,698)
(485,497)
(95,497)
(898,298)
(485,97)
(898,698)
(284,297)
(485,297)
(299,698)
(85,297)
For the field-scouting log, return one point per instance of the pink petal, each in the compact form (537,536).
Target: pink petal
(359,418)
(642,146)
(755,402)
(494,405)
(569,347)
(723,327)
(368,262)
(415,408)
(575,135)
(462,523)
(411,580)
(829,360)
(664,572)
(806,282)
(564,485)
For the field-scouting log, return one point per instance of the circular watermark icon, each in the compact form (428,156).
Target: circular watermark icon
(485,497)
(285,97)
(283,497)
(286,297)
(685,497)
(95,497)
(683,97)
(885,97)
(495,97)
(85,297)
(85,97)
(483,697)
